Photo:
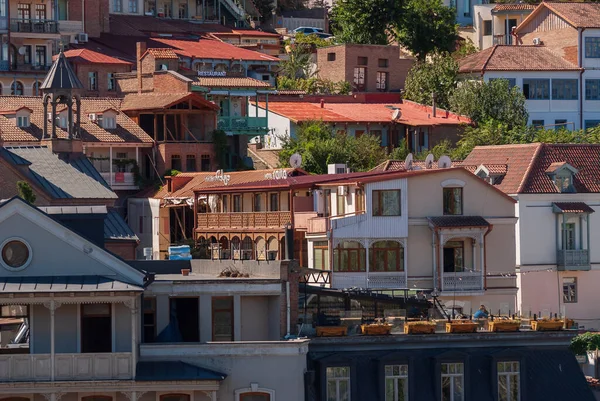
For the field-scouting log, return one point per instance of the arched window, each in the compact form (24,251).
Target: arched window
(16,89)
(254,393)
(387,256)
(349,256)
(261,248)
(175,397)
(247,244)
(273,248)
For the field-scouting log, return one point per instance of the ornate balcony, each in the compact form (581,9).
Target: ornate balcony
(573,260)
(244,220)
(374,280)
(43,26)
(462,281)
(243,125)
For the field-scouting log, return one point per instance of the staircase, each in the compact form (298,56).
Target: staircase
(236,10)
(263,159)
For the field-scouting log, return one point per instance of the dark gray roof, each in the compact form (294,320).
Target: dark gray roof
(61,76)
(174,370)
(311,13)
(61,180)
(458,221)
(73,209)
(64,283)
(115,228)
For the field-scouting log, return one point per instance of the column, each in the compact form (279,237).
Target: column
(473,264)
(45,118)
(367,267)
(53,122)
(237,318)
(482,256)
(434,258)
(131,304)
(266,109)
(52,306)
(580,247)
(110,165)
(441,261)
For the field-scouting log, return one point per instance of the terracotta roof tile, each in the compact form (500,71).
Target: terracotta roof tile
(413,114)
(513,7)
(518,159)
(496,169)
(398,165)
(213,49)
(127,130)
(162,53)
(226,82)
(87,56)
(515,58)
(573,207)
(580,15)
(155,100)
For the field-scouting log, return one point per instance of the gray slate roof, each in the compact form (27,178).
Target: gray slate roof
(458,221)
(61,180)
(115,228)
(174,370)
(64,283)
(61,75)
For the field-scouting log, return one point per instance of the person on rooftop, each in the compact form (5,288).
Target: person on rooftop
(482,313)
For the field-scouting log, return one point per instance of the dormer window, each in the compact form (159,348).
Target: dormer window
(491,173)
(564,182)
(22,117)
(562,174)
(23,121)
(109,122)
(106,119)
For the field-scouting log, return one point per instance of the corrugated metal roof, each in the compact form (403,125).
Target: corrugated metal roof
(73,209)
(63,284)
(115,228)
(62,180)
(174,370)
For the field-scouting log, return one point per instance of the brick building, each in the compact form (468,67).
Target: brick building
(369,68)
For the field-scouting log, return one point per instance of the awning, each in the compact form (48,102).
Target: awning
(458,221)
(174,370)
(571,207)
(64,284)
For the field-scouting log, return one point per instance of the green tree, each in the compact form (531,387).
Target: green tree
(494,100)
(427,26)
(265,8)
(298,63)
(26,192)
(364,21)
(438,76)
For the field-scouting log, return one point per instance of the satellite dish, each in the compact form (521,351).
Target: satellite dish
(429,161)
(396,115)
(408,162)
(296,160)
(22,50)
(444,162)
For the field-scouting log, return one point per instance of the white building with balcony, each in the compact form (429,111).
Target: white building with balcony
(432,229)
(556,187)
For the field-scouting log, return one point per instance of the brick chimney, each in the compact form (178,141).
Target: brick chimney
(139,52)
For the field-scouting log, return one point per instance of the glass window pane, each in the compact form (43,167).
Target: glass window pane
(446,391)
(344,390)
(502,388)
(459,392)
(331,390)
(389,390)
(514,388)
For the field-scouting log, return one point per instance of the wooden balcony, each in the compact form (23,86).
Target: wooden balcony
(243,220)
(573,260)
(302,219)
(318,225)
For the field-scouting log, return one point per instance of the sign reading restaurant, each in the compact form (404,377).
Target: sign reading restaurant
(212,73)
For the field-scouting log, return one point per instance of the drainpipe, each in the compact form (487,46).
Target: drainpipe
(581,71)
(288,307)
(490,228)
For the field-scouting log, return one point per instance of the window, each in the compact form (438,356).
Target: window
(237,203)
(454,260)
(111,82)
(121,155)
(149,316)
(382,80)
(338,383)
(349,256)
(225,202)
(453,201)
(15,254)
(383,63)
(321,255)
(205,163)
(386,203)
(23,121)
(341,204)
(560,124)
(330,56)
(176,162)
(16,89)
(27,55)
(96,398)
(40,56)
(23,11)
(453,382)
(509,383)
(109,122)
(538,123)
(133,6)
(96,333)
(359,78)
(222,318)
(362,61)
(190,163)
(175,397)
(564,89)
(166,7)
(568,236)
(274,202)
(387,256)
(487,27)
(511,81)
(93,80)
(255,397)
(117,6)
(183,10)
(185,319)
(536,89)
(570,289)
(592,89)
(257,203)
(589,124)
(592,47)
(396,383)
(40,12)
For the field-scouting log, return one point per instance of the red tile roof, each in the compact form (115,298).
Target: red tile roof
(513,7)
(247,33)
(161,53)
(213,49)
(226,82)
(413,114)
(155,100)
(398,165)
(573,207)
(579,15)
(87,56)
(515,58)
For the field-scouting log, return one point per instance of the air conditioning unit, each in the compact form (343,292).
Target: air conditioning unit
(82,37)
(342,190)
(537,41)
(93,117)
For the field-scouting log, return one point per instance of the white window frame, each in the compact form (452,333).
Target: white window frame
(109,122)
(132,6)
(117,6)
(23,121)
(508,375)
(335,380)
(572,285)
(403,375)
(253,389)
(452,376)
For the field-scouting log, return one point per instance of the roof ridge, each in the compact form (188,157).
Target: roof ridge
(489,57)
(530,167)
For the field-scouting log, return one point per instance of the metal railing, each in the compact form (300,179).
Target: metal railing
(573,259)
(33,25)
(503,40)
(462,281)
(242,123)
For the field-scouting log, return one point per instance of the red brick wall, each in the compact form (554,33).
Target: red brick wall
(103,70)
(8,186)
(125,250)
(346,58)
(168,83)
(287,274)
(128,83)
(166,150)
(96,16)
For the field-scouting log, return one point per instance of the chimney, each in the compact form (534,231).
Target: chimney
(433,105)
(322,103)
(140,49)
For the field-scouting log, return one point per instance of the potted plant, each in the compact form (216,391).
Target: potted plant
(546,324)
(376,329)
(420,327)
(505,325)
(461,326)
(331,331)
(569,323)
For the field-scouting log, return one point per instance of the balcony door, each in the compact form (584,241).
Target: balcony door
(185,318)
(62,10)
(569,236)
(454,256)
(24,11)
(96,328)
